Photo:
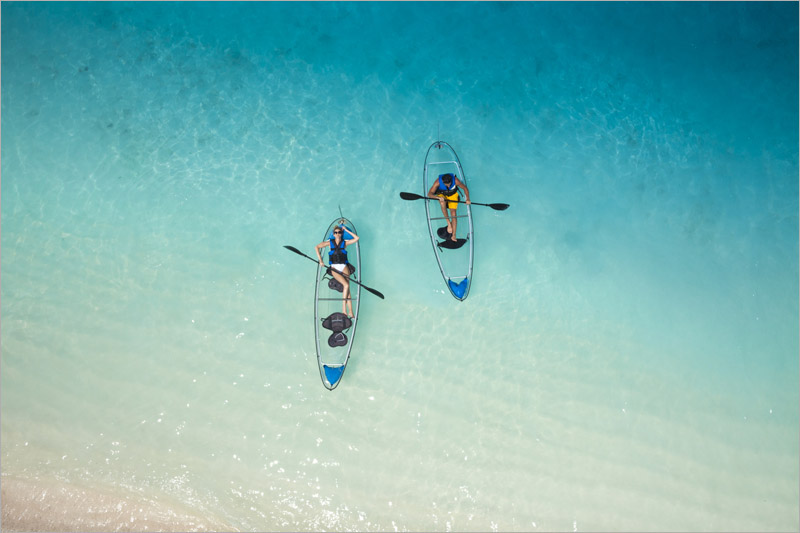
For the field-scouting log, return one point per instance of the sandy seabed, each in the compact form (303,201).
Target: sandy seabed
(34,506)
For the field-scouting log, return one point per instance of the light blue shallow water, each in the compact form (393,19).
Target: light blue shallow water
(627,358)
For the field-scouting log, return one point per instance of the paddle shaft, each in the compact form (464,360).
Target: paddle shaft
(295,250)
(412,196)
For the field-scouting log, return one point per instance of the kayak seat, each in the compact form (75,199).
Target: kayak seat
(335,285)
(337,322)
(450,245)
(337,339)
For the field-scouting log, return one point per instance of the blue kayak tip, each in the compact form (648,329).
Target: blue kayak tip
(458,289)
(333,374)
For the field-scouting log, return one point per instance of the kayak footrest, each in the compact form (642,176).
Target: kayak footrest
(445,218)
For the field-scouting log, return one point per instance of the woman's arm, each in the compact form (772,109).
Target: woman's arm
(348,242)
(319,247)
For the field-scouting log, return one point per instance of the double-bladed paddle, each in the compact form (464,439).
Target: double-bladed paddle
(295,250)
(412,196)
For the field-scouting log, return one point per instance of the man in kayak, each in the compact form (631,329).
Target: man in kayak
(446,188)
(340,268)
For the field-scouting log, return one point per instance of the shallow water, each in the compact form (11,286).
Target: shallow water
(627,358)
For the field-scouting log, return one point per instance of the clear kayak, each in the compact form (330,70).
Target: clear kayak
(454,257)
(335,331)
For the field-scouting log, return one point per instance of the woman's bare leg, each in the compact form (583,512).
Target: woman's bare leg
(344,280)
(349,301)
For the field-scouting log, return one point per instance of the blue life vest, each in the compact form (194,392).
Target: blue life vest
(445,189)
(337,254)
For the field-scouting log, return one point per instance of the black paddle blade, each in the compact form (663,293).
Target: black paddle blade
(292,248)
(499,207)
(410,196)
(373,291)
(298,252)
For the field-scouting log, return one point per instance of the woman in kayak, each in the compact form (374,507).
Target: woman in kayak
(446,188)
(340,268)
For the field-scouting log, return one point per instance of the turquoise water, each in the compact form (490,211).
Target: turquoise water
(627,358)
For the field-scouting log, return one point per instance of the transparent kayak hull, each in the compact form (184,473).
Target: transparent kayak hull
(334,334)
(454,260)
